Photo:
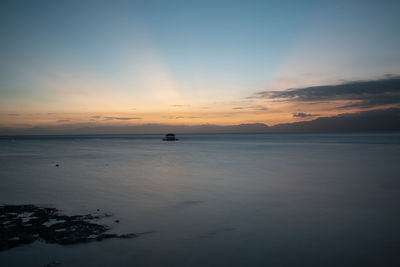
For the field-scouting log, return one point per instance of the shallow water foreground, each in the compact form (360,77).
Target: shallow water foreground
(213,200)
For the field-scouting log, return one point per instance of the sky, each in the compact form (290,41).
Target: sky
(195,62)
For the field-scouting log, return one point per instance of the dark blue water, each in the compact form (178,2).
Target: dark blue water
(214,200)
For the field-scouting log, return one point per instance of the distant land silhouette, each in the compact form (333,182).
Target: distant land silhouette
(372,120)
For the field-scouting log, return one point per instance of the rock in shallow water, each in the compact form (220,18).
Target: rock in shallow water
(24,224)
(53,264)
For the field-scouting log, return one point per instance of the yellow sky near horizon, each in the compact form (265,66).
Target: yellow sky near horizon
(270,112)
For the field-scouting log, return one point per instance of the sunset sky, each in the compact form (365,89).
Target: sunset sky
(195,62)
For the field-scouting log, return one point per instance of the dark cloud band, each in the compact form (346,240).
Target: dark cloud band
(303,115)
(362,94)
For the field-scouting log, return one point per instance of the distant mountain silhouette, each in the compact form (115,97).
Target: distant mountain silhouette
(373,120)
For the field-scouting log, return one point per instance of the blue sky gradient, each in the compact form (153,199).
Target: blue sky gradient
(204,52)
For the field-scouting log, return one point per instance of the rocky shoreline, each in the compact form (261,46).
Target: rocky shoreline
(25,224)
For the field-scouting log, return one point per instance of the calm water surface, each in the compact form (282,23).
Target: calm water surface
(214,200)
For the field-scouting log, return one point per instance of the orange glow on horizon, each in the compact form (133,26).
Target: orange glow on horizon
(267,112)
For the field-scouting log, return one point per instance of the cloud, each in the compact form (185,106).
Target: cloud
(303,115)
(256,107)
(63,121)
(96,117)
(259,107)
(361,94)
(13,114)
(177,106)
(179,117)
(373,101)
(122,118)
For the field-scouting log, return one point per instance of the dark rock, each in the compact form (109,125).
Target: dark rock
(128,235)
(24,224)
(57,165)
(52,264)
(117,221)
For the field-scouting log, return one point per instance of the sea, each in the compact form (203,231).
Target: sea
(213,199)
